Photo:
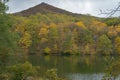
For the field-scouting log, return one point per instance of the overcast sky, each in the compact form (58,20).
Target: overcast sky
(76,6)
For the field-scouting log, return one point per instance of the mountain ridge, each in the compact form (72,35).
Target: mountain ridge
(45,8)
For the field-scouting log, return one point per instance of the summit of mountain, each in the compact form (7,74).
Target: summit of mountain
(44,8)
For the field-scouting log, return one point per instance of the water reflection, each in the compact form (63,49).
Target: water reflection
(78,67)
(75,67)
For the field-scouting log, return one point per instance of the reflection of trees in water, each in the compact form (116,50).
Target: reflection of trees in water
(113,70)
(92,64)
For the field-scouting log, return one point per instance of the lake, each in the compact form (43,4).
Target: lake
(75,67)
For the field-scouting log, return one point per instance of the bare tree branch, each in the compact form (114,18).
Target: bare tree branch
(110,12)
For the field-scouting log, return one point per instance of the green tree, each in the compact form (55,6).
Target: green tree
(22,71)
(117,44)
(3,7)
(52,75)
(104,45)
(53,37)
(84,37)
(7,43)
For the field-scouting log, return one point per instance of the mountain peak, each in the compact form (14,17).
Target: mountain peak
(43,8)
(43,3)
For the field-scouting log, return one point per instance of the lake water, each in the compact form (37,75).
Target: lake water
(75,67)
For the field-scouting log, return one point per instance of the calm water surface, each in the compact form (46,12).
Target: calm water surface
(75,67)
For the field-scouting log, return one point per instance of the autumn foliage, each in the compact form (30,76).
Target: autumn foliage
(65,34)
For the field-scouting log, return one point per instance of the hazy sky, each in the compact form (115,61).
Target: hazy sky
(77,6)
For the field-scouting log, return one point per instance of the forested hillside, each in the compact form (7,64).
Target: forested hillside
(50,30)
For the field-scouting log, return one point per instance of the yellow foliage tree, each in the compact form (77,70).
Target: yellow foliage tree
(43,31)
(43,40)
(47,50)
(98,27)
(117,44)
(112,32)
(53,25)
(81,24)
(118,29)
(25,41)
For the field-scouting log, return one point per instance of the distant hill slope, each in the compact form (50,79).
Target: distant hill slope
(44,8)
